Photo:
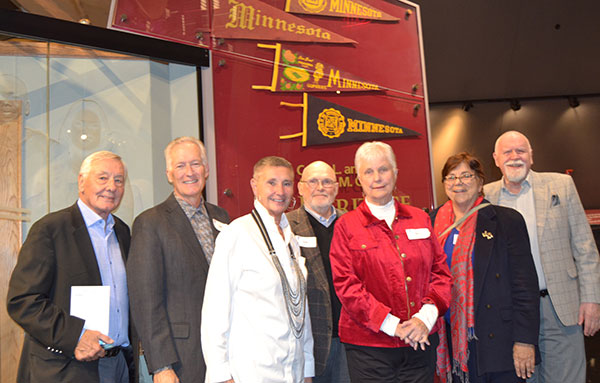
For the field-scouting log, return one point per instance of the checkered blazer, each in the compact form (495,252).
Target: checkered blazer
(567,249)
(319,300)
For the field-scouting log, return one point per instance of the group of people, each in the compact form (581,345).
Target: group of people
(498,286)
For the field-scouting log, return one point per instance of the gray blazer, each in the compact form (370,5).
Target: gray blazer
(319,300)
(567,248)
(166,272)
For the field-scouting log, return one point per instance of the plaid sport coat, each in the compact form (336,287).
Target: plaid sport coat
(567,249)
(319,300)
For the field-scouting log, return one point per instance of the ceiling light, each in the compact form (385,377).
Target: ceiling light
(467,105)
(573,101)
(515,104)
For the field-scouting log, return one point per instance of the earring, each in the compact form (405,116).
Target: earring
(292,204)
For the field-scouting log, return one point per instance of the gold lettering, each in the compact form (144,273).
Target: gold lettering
(300,169)
(334,78)
(356,202)
(334,169)
(349,170)
(342,204)
(281,24)
(345,182)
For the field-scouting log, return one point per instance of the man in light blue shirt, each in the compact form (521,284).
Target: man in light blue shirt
(82,245)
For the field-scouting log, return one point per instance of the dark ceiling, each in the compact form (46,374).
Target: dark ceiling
(474,50)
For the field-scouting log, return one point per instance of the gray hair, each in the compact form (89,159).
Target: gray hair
(271,161)
(181,140)
(372,150)
(86,165)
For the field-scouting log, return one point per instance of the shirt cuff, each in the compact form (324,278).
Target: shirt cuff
(165,368)
(428,315)
(389,324)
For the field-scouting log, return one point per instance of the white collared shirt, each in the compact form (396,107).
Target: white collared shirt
(322,220)
(246,334)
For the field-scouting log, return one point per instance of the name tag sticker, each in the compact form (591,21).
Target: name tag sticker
(220,226)
(418,233)
(306,241)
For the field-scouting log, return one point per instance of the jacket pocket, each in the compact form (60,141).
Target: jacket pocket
(181,330)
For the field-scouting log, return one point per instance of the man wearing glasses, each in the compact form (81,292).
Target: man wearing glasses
(313,225)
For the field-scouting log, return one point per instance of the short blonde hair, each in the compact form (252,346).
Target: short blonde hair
(271,161)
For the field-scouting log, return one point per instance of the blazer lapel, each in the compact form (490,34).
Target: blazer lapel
(183,229)
(123,238)
(303,228)
(484,245)
(541,197)
(84,244)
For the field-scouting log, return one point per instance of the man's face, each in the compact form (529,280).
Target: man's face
(102,188)
(318,187)
(514,157)
(273,187)
(187,173)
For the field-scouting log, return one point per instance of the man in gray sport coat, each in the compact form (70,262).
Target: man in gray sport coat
(564,252)
(171,247)
(313,226)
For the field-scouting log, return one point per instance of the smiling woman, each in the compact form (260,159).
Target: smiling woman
(390,276)
(486,246)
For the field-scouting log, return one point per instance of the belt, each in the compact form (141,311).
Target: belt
(111,352)
(543,293)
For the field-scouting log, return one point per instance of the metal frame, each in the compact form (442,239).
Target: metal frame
(46,28)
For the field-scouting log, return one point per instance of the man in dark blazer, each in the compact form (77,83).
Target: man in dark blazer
(78,246)
(313,226)
(171,247)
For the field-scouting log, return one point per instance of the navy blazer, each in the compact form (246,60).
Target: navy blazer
(57,254)
(505,288)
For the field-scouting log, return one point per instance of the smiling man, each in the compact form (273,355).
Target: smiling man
(171,249)
(81,245)
(565,255)
(256,325)
(313,225)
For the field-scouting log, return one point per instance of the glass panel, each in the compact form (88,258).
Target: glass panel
(71,102)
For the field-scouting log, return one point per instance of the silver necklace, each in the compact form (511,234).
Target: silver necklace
(295,301)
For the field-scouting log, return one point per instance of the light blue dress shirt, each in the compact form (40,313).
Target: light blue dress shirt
(112,271)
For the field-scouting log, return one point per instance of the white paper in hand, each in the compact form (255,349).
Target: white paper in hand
(92,304)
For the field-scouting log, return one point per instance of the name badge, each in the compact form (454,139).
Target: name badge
(220,226)
(418,233)
(306,241)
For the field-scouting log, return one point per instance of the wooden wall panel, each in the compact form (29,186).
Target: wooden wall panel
(11,335)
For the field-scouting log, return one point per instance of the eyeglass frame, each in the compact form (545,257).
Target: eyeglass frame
(469,177)
(314,183)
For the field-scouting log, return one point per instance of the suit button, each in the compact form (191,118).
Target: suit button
(396,236)
(408,279)
(403,255)
(497,275)
(491,335)
(363,246)
(488,306)
(412,304)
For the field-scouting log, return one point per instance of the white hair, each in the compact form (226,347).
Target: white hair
(372,150)
(86,165)
(181,140)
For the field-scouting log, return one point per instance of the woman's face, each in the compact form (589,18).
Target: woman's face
(464,189)
(378,179)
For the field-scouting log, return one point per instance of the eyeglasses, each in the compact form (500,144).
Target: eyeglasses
(313,183)
(465,178)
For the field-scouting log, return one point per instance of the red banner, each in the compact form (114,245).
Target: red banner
(338,8)
(255,20)
(294,71)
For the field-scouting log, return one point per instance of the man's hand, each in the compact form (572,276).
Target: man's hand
(88,348)
(524,359)
(414,332)
(166,376)
(589,316)
(307,380)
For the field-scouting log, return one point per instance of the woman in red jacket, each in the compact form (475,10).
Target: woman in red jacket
(391,277)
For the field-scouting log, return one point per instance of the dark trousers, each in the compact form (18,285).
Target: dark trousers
(488,377)
(392,365)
